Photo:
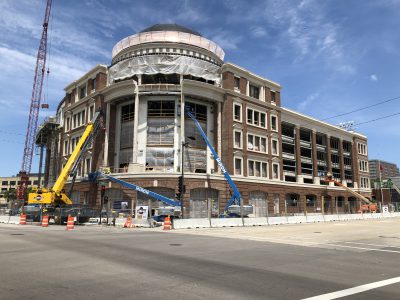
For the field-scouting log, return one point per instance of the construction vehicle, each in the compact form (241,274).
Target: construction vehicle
(173,209)
(55,197)
(34,109)
(368,207)
(234,207)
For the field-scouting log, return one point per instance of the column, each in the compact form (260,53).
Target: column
(136,124)
(106,136)
(314,156)
(299,178)
(354,164)
(341,162)
(219,134)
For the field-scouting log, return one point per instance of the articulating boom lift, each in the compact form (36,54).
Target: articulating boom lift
(233,208)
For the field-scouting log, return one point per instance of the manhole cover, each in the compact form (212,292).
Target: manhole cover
(16,234)
(317,232)
(176,245)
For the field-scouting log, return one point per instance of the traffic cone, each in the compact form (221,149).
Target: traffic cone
(128,223)
(167,223)
(70,223)
(22,219)
(45,221)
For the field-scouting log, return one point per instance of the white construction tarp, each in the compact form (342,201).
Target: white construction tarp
(164,64)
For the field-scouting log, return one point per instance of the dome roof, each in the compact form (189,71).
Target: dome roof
(170,27)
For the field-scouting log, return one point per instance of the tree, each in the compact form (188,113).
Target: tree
(10,195)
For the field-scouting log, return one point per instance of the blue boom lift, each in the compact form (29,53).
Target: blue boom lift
(233,208)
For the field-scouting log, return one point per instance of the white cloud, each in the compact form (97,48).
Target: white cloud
(373,77)
(308,101)
(258,31)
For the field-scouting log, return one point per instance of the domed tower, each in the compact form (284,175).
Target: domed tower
(154,75)
(165,51)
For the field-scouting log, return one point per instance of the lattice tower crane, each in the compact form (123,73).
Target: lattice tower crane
(34,108)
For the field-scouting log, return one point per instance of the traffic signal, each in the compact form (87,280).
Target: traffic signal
(103,190)
(180,184)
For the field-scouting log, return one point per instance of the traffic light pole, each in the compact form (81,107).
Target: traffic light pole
(181,183)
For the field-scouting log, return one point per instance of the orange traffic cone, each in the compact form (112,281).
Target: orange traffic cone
(22,219)
(45,221)
(167,223)
(70,223)
(128,223)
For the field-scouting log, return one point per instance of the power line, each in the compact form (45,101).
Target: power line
(13,133)
(377,119)
(362,108)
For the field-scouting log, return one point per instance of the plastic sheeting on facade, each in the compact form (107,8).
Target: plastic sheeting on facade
(160,158)
(164,64)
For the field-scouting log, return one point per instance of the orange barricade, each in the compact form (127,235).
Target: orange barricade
(22,219)
(167,223)
(373,208)
(128,223)
(70,223)
(45,221)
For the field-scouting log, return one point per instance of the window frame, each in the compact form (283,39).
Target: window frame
(272,146)
(241,112)
(262,164)
(240,141)
(259,143)
(241,165)
(261,115)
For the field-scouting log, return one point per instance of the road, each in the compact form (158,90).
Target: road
(277,262)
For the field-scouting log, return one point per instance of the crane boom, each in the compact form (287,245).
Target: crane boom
(34,107)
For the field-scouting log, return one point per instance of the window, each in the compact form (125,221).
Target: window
(275,171)
(274,126)
(82,92)
(78,119)
(91,112)
(363,165)
(256,118)
(66,148)
(237,112)
(237,139)
(275,147)
(87,166)
(362,148)
(94,84)
(254,91)
(4,183)
(67,124)
(257,143)
(273,96)
(238,165)
(236,83)
(257,169)
(12,182)
(365,182)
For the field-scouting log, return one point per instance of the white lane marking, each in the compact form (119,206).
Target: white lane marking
(386,246)
(362,248)
(355,290)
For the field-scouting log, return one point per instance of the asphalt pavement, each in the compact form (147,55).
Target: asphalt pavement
(280,262)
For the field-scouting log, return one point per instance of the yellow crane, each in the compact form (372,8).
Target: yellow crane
(56,195)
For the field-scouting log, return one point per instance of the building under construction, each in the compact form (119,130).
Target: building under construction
(277,157)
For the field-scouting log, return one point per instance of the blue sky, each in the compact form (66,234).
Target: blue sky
(330,57)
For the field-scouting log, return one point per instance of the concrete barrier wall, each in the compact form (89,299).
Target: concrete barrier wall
(191,223)
(255,221)
(296,219)
(315,218)
(9,219)
(226,222)
(277,220)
